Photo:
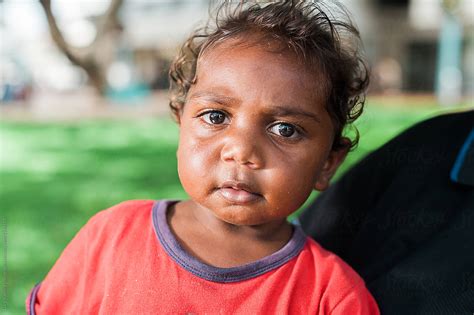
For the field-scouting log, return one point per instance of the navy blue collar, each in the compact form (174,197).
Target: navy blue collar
(211,273)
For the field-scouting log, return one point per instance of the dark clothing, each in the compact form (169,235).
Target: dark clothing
(400,221)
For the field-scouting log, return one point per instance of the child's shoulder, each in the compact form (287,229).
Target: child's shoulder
(111,229)
(335,275)
(125,209)
(126,213)
(329,263)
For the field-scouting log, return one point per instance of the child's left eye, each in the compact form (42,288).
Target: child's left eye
(215,117)
(285,130)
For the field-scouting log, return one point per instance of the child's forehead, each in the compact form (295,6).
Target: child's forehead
(267,47)
(265,55)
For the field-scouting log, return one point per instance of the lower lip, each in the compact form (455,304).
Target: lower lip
(238,196)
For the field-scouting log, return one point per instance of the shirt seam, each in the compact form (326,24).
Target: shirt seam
(349,291)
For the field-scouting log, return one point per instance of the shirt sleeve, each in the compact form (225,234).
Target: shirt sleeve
(68,286)
(358,301)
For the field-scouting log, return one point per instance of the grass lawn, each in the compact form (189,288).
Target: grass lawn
(53,177)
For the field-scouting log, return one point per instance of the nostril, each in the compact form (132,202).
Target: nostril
(241,156)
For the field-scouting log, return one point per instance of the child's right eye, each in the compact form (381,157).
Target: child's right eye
(215,117)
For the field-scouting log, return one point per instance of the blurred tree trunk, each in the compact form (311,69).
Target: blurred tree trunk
(94,58)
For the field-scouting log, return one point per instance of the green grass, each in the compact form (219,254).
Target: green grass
(53,177)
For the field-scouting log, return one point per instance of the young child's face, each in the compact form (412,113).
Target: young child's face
(255,137)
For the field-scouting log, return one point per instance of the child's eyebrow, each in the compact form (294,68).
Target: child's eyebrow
(291,111)
(214,97)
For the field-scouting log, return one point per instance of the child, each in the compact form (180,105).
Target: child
(261,100)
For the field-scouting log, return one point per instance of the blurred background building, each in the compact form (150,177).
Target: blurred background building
(123,52)
(413,44)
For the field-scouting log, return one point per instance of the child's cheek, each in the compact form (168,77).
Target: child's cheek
(201,131)
(197,158)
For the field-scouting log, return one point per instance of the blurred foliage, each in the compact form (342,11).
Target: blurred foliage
(56,176)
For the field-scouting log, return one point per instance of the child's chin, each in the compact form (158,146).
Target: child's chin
(239,219)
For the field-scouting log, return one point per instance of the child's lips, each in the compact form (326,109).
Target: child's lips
(238,192)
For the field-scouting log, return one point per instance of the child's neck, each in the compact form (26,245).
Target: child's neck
(221,244)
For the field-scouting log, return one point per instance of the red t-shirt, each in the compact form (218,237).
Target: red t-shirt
(125,260)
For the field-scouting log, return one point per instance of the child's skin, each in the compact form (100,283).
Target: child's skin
(255,140)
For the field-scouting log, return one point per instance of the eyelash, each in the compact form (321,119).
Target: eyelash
(295,136)
(298,133)
(208,112)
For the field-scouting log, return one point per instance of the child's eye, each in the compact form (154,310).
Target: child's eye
(214,117)
(284,130)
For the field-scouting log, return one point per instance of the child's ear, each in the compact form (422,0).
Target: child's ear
(335,158)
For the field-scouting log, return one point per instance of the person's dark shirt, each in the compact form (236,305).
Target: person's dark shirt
(403,223)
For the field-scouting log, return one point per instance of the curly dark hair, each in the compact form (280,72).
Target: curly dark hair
(330,42)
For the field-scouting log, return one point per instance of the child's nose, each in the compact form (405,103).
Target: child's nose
(243,146)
